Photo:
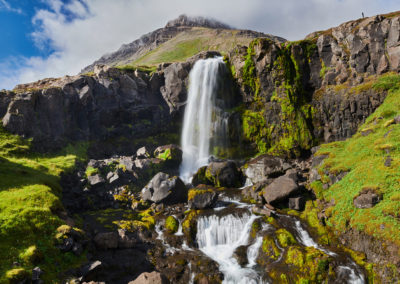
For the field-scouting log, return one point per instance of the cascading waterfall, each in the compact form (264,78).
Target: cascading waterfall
(219,237)
(198,123)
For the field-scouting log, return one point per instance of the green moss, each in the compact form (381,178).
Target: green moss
(171,224)
(17,275)
(249,71)
(32,255)
(29,195)
(195,191)
(269,248)
(90,171)
(295,257)
(189,225)
(285,238)
(166,155)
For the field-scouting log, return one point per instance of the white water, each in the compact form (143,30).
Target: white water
(252,252)
(197,123)
(219,237)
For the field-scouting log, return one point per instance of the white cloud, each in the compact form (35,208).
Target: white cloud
(4,5)
(101,26)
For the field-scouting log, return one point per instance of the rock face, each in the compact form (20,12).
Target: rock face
(108,104)
(280,189)
(165,189)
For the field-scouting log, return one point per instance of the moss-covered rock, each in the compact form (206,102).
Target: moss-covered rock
(189,225)
(269,248)
(32,255)
(17,275)
(285,238)
(171,225)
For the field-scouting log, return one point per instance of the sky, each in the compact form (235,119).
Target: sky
(53,38)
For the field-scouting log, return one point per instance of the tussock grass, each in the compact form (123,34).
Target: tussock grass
(364,156)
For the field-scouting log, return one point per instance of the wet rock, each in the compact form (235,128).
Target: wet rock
(224,174)
(150,278)
(259,169)
(202,199)
(107,240)
(280,189)
(96,180)
(297,203)
(240,255)
(165,189)
(366,199)
(262,211)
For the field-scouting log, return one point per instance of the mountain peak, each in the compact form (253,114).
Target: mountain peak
(188,21)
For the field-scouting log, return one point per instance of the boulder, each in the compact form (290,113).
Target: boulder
(202,198)
(280,189)
(96,180)
(150,278)
(259,169)
(90,270)
(125,239)
(224,174)
(170,152)
(200,177)
(165,189)
(108,240)
(366,199)
(297,203)
(240,254)
(143,153)
(262,211)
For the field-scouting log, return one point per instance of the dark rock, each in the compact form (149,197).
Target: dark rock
(96,180)
(224,174)
(259,169)
(280,189)
(165,189)
(90,270)
(67,245)
(202,199)
(297,203)
(200,177)
(107,240)
(150,278)
(240,255)
(388,161)
(366,199)
(126,240)
(36,273)
(77,249)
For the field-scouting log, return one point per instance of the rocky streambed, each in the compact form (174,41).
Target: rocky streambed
(206,232)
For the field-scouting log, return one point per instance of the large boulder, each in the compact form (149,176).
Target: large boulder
(202,198)
(259,169)
(165,189)
(170,152)
(366,199)
(224,174)
(280,189)
(150,278)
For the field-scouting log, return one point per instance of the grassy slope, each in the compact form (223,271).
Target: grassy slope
(29,196)
(364,156)
(189,43)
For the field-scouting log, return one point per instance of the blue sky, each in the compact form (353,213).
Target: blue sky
(52,38)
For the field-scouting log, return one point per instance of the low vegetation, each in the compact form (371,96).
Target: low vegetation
(29,202)
(371,159)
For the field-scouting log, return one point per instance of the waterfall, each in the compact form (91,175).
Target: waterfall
(199,123)
(219,237)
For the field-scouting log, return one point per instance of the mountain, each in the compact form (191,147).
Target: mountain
(178,40)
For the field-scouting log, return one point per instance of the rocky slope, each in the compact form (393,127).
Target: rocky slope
(184,28)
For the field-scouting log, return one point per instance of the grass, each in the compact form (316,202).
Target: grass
(29,199)
(364,156)
(189,43)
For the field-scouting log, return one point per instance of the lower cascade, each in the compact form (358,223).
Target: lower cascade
(201,121)
(219,237)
